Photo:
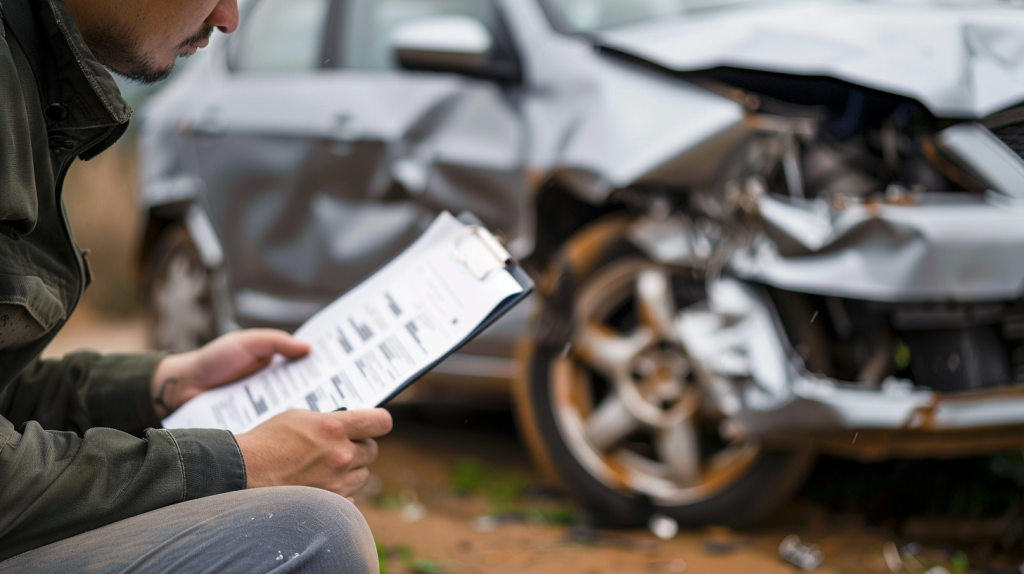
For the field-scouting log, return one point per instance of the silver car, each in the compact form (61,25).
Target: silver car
(762,229)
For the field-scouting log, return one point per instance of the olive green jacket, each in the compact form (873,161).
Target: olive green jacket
(77,450)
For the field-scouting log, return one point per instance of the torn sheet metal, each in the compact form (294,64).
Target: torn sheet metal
(962,61)
(737,336)
(600,124)
(946,247)
(979,151)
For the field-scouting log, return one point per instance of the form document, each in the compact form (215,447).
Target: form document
(375,339)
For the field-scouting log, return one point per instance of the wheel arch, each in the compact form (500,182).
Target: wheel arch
(194,220)
(156,221)
(559,213)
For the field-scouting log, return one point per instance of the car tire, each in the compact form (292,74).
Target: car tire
(179,293)
(606,486)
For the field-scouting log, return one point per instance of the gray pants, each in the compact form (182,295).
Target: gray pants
(286,529)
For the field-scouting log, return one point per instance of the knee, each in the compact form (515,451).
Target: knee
(326,508)
(331,531)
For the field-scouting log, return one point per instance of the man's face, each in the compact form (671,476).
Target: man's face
(141,40)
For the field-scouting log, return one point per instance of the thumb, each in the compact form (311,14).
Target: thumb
(365,423)
(264,343)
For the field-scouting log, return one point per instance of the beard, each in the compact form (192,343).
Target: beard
(123,55)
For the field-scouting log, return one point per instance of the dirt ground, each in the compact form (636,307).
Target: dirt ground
(454,492)
(422,461)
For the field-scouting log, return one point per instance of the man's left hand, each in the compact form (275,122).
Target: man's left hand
(181,377)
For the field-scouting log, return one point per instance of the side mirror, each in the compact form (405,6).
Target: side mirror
(444,44)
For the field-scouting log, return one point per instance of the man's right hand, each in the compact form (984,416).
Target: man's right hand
(323,450)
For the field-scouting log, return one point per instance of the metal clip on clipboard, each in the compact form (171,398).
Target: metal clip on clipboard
(489,255)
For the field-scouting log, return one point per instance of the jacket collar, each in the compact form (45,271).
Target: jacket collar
(84,86)
(89,86)
(69,79)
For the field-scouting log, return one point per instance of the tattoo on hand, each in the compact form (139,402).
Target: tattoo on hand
(162,399)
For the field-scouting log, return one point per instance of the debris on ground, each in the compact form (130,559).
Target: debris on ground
(414,511)
(719,540)
(491,522)
(796,552)
(531,532)
(664,527)
(485,524)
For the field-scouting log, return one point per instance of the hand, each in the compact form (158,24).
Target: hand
(323,450)
(227,359)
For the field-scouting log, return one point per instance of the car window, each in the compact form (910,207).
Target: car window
(281,36)
(368,26)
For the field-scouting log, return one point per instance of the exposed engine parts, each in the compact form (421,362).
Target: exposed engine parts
(946,347)
(886,236)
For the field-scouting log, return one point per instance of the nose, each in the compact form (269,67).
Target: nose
(224,16)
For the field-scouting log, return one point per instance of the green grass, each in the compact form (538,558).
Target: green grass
(504,494)
(407,559)
(959,562)
(470,477)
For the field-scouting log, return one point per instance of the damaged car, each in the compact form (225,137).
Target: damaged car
(762,229)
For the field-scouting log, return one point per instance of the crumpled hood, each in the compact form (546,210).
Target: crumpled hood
(960,63)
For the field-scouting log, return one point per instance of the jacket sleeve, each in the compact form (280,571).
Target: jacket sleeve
(55,484)
(62,473)
(84,390)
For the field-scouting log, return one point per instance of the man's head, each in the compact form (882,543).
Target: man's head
(140,39)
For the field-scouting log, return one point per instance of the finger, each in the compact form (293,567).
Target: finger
(353,481)
(265,343)
(364,454)
(365,423)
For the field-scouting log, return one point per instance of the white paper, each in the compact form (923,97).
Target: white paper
(369,342)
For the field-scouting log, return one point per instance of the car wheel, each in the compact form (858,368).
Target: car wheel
(615,407)
(180,294)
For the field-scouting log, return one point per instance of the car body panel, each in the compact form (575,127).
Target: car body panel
(946,247)
(959,62)
(604,124)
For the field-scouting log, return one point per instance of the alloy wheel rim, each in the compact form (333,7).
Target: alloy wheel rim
(631,403)
(180,300)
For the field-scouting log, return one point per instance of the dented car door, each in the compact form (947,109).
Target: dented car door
(322,160)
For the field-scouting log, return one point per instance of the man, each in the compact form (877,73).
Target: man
(86,482)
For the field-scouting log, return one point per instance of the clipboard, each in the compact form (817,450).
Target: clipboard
(382,335)
(506,263)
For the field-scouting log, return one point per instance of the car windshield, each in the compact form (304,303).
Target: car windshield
(591,15)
